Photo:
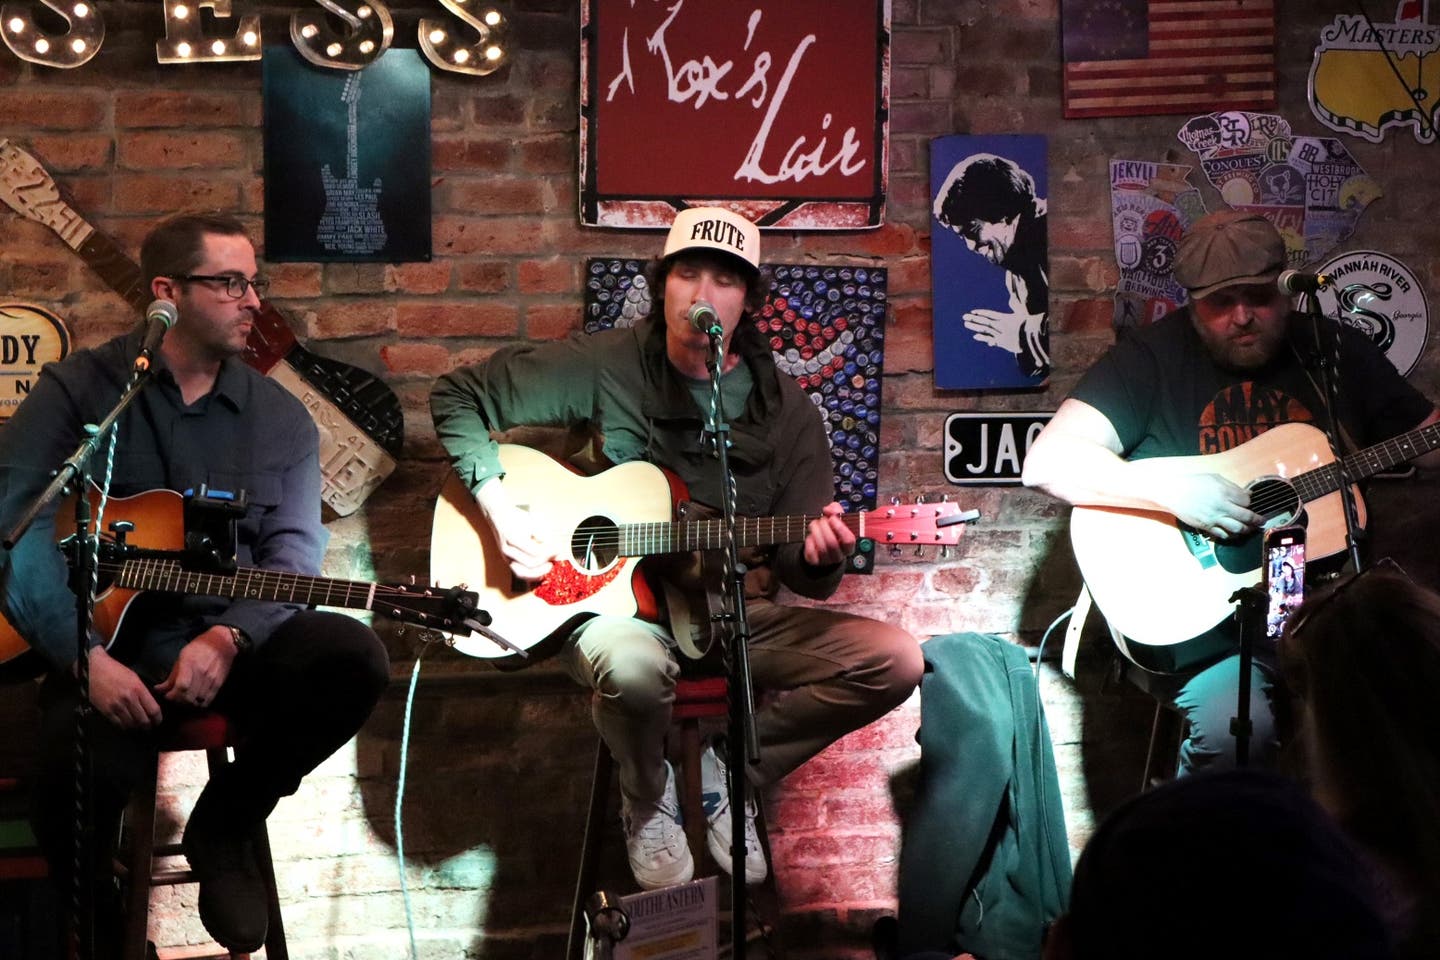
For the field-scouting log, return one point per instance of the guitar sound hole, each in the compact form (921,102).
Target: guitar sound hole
(595,544)
(1275,500)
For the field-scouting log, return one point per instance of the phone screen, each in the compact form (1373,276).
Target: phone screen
(1284,576)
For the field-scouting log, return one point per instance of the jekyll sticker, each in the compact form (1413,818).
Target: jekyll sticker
(1367,77)
(1151,206)
(1382,298)
(1311,188)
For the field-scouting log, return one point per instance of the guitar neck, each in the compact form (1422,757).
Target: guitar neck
(644,539)
(114,266)
(167,576)
(1316,483)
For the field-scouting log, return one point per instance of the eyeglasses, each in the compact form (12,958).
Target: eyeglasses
(1310,611)
(235,285)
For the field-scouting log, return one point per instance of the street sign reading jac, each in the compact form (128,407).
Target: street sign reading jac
(989,448)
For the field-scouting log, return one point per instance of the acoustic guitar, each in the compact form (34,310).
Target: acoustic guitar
(159,525)
(611,521)
(359,418)
(1164,586)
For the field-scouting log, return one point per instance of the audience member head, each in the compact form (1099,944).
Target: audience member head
(1363,661)
(1236,864)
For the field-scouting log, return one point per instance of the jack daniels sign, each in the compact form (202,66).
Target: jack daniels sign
(989,448)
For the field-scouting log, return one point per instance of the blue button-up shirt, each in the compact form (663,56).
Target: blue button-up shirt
(247,434)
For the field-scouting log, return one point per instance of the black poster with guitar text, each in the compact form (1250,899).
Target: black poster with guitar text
(347,159)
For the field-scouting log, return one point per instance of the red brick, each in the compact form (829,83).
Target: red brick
(505,110)
(423,358)
(355,278)
(549,71)
(153,193)
(351,318)
(549,276)
(909,83)
(64,154)
(492,195)
(551,113)
(177,108)
(293,279)
(467,236)
(50,110)
(918,45)
(486,276)
(41,276)
(919,116)
(472,319)
(182,150)
(552,321)
(548,153)
(909,275)
(1088,316)
(418,278)
(468,154)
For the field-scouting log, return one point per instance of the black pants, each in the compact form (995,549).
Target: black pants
(295,700)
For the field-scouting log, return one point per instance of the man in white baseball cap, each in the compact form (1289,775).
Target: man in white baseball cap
(645,391)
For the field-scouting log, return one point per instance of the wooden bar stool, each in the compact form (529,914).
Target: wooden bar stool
(214,734)
(695,699)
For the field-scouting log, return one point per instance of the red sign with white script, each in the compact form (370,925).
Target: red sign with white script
(777,108)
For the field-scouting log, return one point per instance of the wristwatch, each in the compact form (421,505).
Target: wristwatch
(242,642)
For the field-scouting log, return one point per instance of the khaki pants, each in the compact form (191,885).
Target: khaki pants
(824,674)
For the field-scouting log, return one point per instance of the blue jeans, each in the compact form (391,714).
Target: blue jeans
(1208,701)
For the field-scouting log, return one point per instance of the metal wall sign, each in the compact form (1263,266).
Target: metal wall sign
(1383,299)
(30,337)
(777,109)
(989,448)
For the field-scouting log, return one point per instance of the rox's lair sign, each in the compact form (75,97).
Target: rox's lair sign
(476,45)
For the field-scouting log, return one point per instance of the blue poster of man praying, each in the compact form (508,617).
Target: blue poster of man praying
(989,262)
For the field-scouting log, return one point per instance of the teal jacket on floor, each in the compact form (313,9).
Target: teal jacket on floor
(984,862)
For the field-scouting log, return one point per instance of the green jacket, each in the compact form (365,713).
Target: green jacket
(621,385)
(985,863)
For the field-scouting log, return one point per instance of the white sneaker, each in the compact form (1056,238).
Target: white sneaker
(715,800)
(655,839)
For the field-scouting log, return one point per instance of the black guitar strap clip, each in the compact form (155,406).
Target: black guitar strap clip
(210,517)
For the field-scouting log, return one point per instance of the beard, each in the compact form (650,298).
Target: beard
(1237,356)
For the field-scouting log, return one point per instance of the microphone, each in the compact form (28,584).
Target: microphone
(1296,281)
(159,317)
(702,317)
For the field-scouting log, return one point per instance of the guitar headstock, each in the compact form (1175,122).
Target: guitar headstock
(28,189)
(436,608)
(270,339)
(918,524)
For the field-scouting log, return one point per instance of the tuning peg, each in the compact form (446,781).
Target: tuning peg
(895,551)
(945,551)
(920,498)
(920,551)
(945,498)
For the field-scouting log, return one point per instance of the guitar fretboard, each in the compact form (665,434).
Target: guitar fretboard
(644,539)
(1316,483)
(167,576)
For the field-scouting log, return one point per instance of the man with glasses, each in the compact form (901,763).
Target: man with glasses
(297,683)
(1231,364)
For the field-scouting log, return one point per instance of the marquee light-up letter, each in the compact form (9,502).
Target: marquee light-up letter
(445,46)
(185,42)
(67,50)
(368,35)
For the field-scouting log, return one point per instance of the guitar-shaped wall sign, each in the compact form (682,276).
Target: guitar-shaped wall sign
(610,521)
(359,417)
(351,223)
(147,559)
(1163,586)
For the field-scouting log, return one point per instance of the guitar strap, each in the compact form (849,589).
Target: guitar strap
(1346,441)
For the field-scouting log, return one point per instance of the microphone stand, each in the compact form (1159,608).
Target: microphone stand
(73,474)
(1327,365)
(743,746)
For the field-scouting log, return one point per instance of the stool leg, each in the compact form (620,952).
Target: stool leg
(275,948)
(690,805)
(140,822)
(590,849)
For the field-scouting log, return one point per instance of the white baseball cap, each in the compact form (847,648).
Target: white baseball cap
(714,228)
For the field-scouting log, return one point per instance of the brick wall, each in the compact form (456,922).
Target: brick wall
(499,763)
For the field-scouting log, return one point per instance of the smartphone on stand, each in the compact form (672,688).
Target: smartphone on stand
(1284,576)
